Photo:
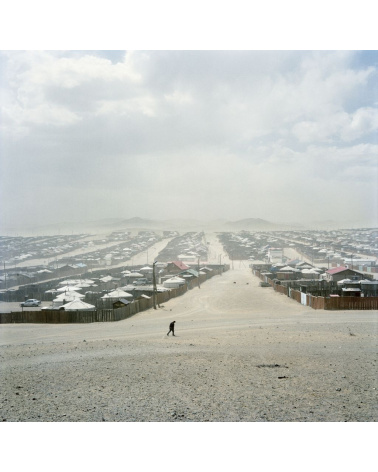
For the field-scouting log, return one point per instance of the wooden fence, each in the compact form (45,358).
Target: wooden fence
(323,303)
(100,315)
(351,303)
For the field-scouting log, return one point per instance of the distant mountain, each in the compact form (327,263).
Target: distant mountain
(137,222)
(197,225)
(253,224)
(171,224)
(108,225)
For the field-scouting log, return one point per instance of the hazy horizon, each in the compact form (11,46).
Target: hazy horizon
(285,136)
(107,226)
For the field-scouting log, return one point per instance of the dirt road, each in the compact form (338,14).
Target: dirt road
(241,353)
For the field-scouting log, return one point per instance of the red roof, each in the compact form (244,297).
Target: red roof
(180,265)
(336,270)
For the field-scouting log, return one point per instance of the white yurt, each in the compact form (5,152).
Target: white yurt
(68,282)
(117,294)
(174,282)
(76,282)
(68,288)
(78,305)
(72,295)
(66,297)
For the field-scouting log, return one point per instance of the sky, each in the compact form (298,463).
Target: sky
(288,136)
(201,110)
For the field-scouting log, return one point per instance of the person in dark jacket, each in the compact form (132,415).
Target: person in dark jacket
(172,328)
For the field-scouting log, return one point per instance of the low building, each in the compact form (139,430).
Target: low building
(275,254)
(340,273)
(175,267)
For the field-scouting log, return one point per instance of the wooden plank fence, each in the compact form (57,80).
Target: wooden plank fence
(351,303)
(100,315)
(324,303)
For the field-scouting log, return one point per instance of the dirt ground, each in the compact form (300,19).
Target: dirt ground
(241,353)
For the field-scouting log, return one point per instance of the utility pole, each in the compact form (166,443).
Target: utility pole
(199,286)
(154,285)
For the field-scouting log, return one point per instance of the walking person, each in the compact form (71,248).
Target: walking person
(172,328)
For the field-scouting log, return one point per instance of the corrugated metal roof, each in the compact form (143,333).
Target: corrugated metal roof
(336,270)
(180,265)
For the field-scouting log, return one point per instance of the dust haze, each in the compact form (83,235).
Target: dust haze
(94,137)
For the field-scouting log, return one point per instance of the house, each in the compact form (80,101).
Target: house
(188,257)
(67,269)
(24,279)
(340,273)
(302,265)
(107,283)
(175,267)
(294,263)
(275,254)
(189,273)
(121,303)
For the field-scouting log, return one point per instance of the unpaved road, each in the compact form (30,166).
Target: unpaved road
(241,353)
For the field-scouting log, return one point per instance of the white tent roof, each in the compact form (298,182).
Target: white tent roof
(76,281)
(346,281)
(68,282)
(78,305)
(68,296)
(108,278)
(175,279)
(288,268)
(118,294)
(68,288)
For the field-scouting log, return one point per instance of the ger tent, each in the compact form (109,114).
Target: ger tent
(72,295)
(68,288)
(117,294)
(174,282)
(78,305)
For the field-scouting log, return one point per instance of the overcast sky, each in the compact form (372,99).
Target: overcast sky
(284,136)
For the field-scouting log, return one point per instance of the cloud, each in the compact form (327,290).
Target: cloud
(200,133)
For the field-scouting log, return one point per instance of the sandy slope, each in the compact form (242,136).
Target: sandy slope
(242,353)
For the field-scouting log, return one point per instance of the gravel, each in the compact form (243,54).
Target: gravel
(241,354)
